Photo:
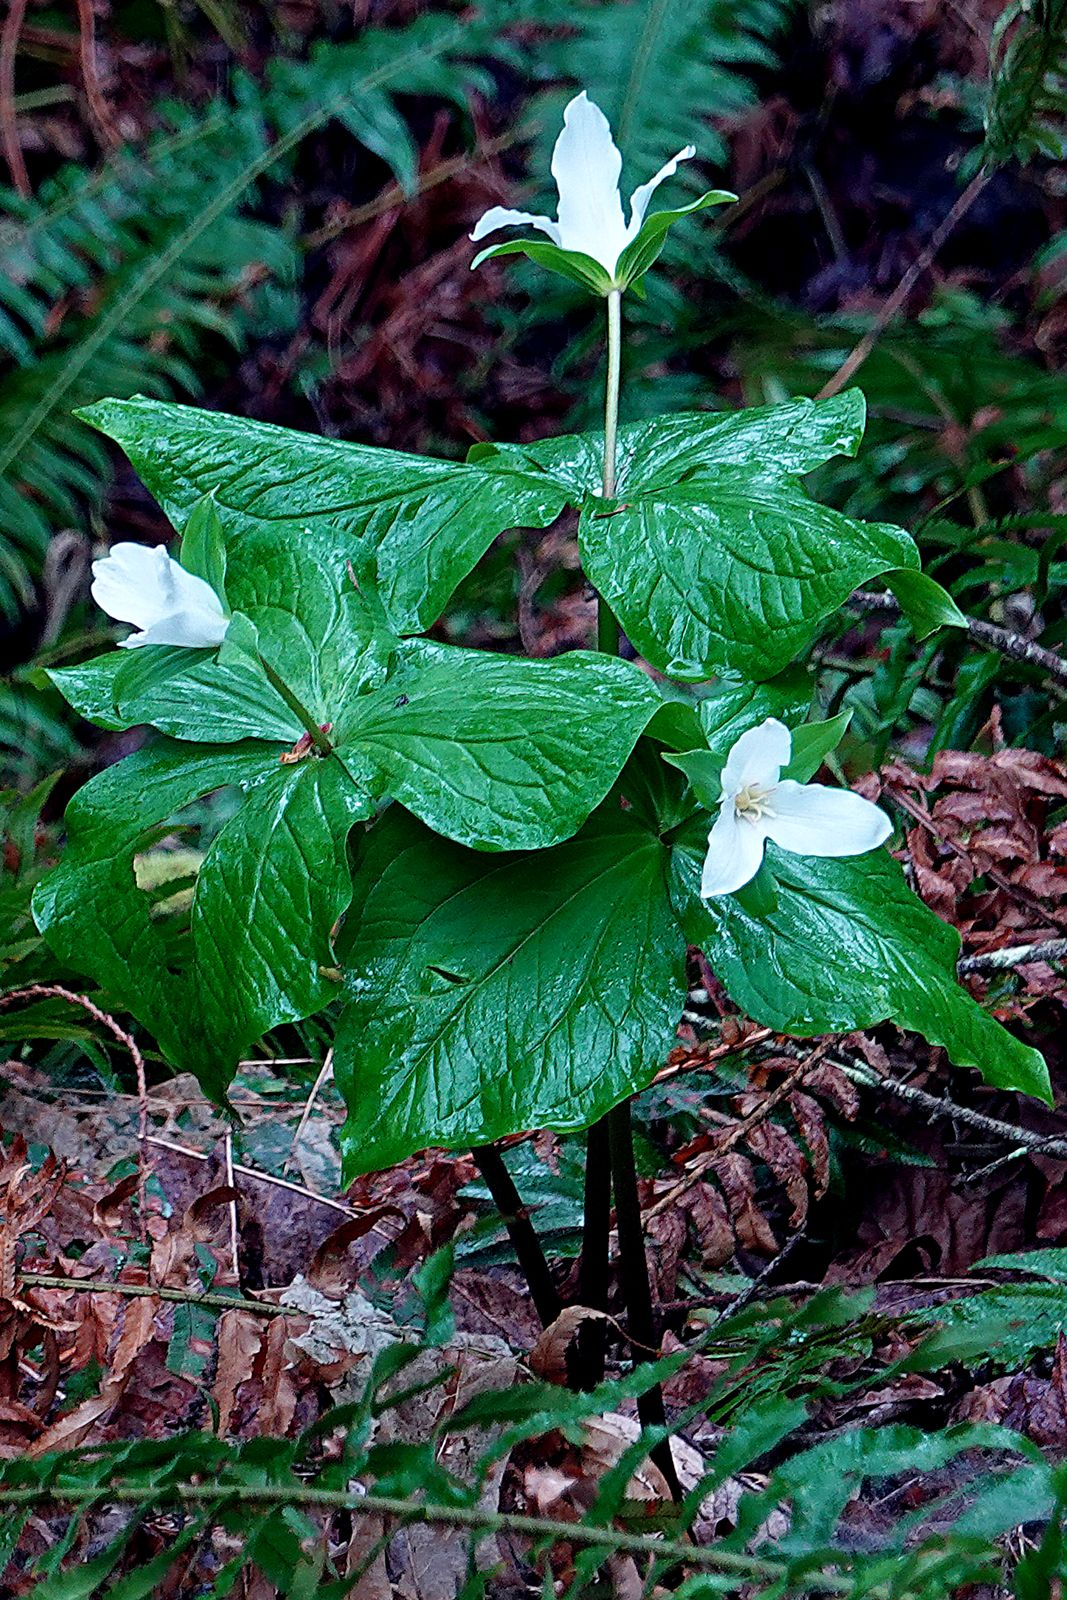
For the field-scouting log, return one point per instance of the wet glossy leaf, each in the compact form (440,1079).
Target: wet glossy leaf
(848,945)
(270,889)
(416,525)
(492,994)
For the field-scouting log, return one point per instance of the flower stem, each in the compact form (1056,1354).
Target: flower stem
(611,390)
(298,708)
(637,1291)
(524,1240)
(596,1225)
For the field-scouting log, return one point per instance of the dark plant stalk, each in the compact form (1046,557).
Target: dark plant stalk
(636,1288)
(527,1246)
(593,1271)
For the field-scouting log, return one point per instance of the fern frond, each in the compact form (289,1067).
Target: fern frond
(112,283)
(662,68)
(1027,112)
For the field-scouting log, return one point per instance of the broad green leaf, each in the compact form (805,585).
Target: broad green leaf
(711,554)
(732,573)
(492,994)
(267,896)
(495,751)
(847,946)
(664,452)
(414,524)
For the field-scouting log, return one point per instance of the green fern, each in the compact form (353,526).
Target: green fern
(116,282)
(1027,111)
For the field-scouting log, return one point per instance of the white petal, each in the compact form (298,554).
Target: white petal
(586,166)
(142,584)
(757,757)
(812,820)
(641,196)
(502,217)
(735,850)
(195,630)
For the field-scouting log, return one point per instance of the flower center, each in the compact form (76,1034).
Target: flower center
(751,802)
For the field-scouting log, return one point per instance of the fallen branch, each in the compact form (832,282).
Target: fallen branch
(141,1291)
(1009,644)
(1013,955)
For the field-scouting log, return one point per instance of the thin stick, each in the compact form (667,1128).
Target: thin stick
(636,1288)
(1009,644)
(235,1254)
(324,1072)
(140,1291)
(1013,955)
(923,261)
(526,1244)
(260,1177)
(611,1540)
(1023,1138)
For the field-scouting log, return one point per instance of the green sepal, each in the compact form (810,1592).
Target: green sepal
(641,252)
(812,743)
(572,264)
(203,546)
(704,771)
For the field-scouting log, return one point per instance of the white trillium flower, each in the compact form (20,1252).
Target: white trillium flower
(142,584)
(758,804)
(586,165)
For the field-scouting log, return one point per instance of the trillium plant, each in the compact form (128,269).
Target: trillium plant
(488,868)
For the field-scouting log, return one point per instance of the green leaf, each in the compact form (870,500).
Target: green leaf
(732,573)
(415,525)
(494,751)
(270,890)
(847,946)
(493,994)
(711,555)
(203,547)
(923,601)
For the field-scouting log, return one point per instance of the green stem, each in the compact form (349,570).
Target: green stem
(298,708)
(611,1540)
(611,390)
(596,1227)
